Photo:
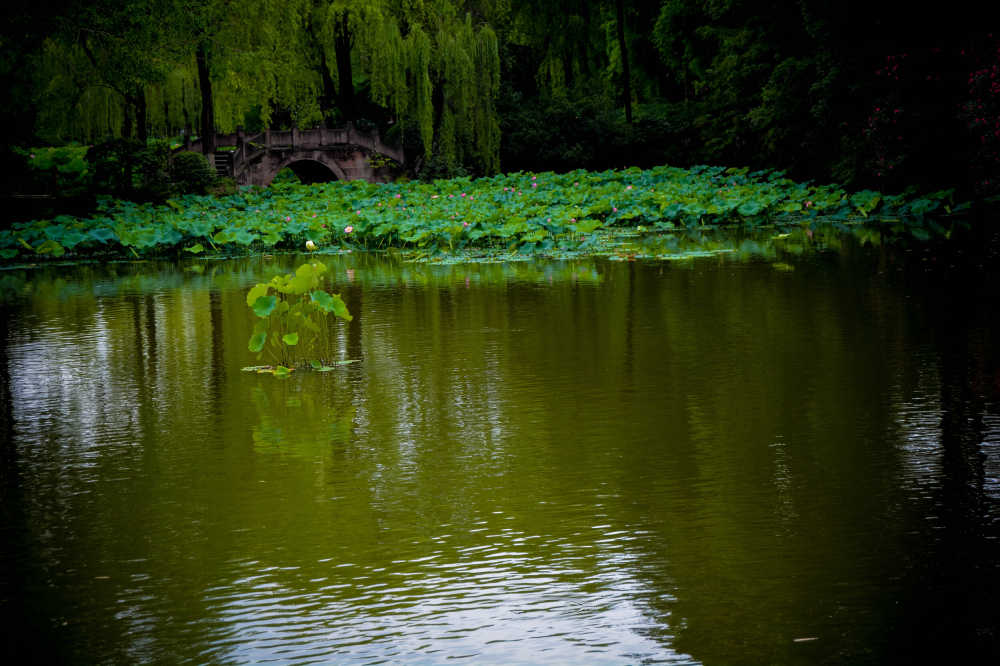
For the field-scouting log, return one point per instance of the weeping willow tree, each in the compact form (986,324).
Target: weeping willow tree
(586,49)
(174,104)
(440,83)
(567,38)
(71,104)
(93,69)
(426,68)
(435,74)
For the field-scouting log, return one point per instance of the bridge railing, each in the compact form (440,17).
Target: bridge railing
(301,139)
(249,147)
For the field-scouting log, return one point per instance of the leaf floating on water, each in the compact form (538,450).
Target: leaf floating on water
(290,339)
(779,266)
(282,371)
(328,368)
(805,639)
(197,248)
(51,247)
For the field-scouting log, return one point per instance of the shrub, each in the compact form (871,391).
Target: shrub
(152,181)
(60,171)
(113,164)
(191,173)
(130,169)
(223,187)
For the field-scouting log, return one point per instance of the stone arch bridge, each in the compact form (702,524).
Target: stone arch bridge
(314,155)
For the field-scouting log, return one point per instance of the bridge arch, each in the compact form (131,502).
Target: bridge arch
(345,152)
(309,170)
(344,162)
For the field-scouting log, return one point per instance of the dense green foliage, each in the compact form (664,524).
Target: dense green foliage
(843,92)
(63,169)
(191,172)
(544,212)
(131,169)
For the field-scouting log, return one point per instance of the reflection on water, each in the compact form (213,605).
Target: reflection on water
(707,461)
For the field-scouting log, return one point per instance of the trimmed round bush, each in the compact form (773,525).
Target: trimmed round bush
(191,172)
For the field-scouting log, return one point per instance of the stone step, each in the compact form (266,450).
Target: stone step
(222,164)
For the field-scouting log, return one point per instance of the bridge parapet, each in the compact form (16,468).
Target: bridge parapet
(296,139)
(256,158)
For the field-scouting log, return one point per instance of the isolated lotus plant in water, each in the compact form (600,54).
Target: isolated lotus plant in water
(291,326)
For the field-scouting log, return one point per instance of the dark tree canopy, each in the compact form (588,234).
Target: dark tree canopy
(867,93)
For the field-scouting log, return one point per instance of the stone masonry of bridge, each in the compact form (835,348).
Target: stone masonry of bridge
(346,152)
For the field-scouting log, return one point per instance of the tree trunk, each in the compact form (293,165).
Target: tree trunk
(127,117)
(328,98)
(623,49)
(342,48)
(141,123)
(207,106)
(326,102)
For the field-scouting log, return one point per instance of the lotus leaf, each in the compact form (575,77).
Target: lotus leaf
(263,306)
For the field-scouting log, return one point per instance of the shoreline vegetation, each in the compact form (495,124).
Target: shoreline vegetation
(523,214)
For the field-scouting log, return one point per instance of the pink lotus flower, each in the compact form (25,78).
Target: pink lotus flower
(534,177)
(572,219)
(348,229)
(809,203)
(399,196)
(628,187)
(451,196)
(465,224)
(288,218)
(322,226)
(357,212)
(314,215)
(614,210)
(434,196)
(534,184)
(463,194)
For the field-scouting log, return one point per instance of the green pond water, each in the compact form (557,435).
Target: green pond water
(711,461)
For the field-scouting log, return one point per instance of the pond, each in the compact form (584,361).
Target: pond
(708,461)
